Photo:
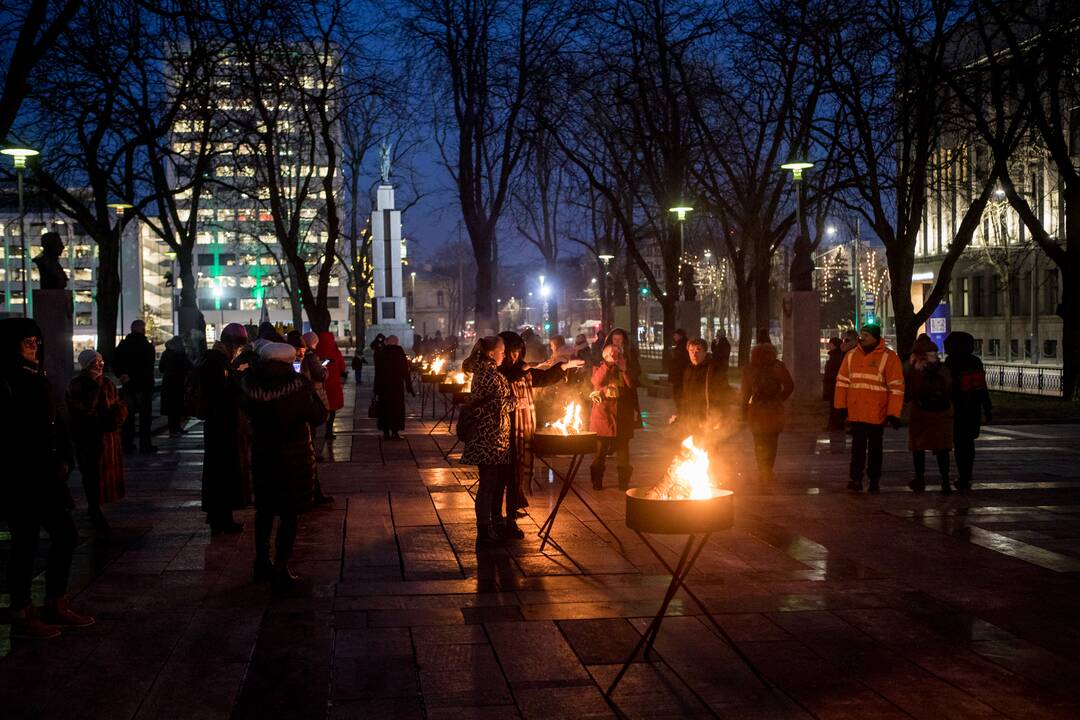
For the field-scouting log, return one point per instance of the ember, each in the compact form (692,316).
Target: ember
(688,476)
(570,423)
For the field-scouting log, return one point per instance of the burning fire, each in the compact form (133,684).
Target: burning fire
(570,423)
(437,366)
(688,476)
(459,378)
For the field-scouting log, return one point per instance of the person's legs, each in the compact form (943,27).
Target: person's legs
(264,526)
(858,455)
(918,459)
(146,413)
(283,547)
(875,434)
(965,461)
(622,461)
(485,491)
(599,462)
(765,454)
(20,571)
(63,536)
(176,425)
(127,431)
(330,424)
(942,457)
(91,483)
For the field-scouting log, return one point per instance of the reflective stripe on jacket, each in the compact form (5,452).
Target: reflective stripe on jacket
(870,385)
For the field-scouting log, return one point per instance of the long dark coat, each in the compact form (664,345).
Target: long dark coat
(175,366)
(33,442)
(494,403)
(283,408)
(97,413)
(134,357)
(765,417)
(705,393)
(392,379)
(226,485)
(970,395)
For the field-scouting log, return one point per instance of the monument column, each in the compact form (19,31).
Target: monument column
(390,308)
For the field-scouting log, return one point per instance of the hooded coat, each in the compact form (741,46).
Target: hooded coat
(97,413)
(494,402)
(392,378)
(225,482)
(930,424)
(283,408)
(765,416)
(175,366)
(616,413)
(971,398)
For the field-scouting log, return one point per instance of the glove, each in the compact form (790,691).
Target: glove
(893,421)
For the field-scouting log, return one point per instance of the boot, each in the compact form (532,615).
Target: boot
(487,534)
(58,612)
(625,473)
(512,530)
(945,489)
(918,484)
(963,485)
(855,485)
(874,487)
(597,474)
(26,625)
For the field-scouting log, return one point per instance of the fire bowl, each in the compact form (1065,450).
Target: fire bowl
(549,443)
(449,387)
(461,397)
(679,517)
(432,379)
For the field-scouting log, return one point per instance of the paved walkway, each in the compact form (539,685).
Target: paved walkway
(893,605)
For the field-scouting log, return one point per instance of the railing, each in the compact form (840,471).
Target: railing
(1025,379)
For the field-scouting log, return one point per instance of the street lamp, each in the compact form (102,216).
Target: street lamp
(801,273)
(18,155)
(605,257)
(120,207)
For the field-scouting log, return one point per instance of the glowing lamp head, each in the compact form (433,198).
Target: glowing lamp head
(681,211)
(796,167)
(19,155)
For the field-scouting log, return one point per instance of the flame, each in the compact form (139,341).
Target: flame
(688,476)
(570,423)
(459,378)
(437,366)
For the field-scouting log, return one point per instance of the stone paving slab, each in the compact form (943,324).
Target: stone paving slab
(852,606)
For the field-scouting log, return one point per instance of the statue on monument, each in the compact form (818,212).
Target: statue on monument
(384,161)
(50,270)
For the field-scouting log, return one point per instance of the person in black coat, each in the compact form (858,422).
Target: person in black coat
(33,488)
(392,379)
(224,485)
(175,366)
(705,390)
(283,407)
(971,402)
(133,362)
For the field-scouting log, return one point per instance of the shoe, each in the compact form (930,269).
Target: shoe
(395,436)
(321,499)
(855,485)
(625,473)
(963,486)
(945,489)
(283,580)
(512,530)
(917,485)
(386,435)
(148,450)
(229,528)
(487,534)
(264,570)
(597,475)
(873,487)
(26,625)
(58,612)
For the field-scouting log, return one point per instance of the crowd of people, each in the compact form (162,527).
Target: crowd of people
(268,405)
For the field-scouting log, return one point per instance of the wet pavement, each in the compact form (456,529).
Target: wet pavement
(851,606)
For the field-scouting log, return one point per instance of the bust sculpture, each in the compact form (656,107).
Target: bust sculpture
(50,270)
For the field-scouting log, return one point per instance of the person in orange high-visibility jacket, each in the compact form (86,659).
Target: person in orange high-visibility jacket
(870,387)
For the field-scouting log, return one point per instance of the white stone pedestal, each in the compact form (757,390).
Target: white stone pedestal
(391,310)
(53,314)
(688,317)
(802,344)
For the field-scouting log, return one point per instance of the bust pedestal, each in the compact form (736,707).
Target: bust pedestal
(53,314)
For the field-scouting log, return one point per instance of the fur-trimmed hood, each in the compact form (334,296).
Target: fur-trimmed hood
(267,382)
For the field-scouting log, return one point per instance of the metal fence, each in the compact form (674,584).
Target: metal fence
(1026,379)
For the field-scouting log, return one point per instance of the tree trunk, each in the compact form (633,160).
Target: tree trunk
(745,300)
(487,323)
(108,295)
(762,296)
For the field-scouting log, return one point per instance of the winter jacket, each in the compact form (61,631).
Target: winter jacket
(928,388)
(392,378)
(283,408)
(705,392)
(765,415)
(97,413)
(175,367)
(493,402)
(970,395)
(832,369)
(327,348)
(225,483)
(34,444)
(134,357)
(870,385)
(616,413)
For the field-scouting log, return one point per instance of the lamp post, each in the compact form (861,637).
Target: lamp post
(681,211)
(120,207)
(801,273)
(18,156)
(605,310)
(545,292)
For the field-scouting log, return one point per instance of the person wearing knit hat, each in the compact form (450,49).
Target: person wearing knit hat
(283,408)
(96,414)
(870,388)
(34,494)
(930,418)
(225,483)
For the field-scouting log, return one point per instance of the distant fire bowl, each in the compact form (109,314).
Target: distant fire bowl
(433,379)
(679,517)
(549,444)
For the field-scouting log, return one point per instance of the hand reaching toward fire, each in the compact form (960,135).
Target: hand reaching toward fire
(573,364)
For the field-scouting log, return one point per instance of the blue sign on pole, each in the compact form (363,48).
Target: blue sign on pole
(939,324)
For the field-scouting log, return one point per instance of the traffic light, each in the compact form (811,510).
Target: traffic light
(547,327)
(644,291)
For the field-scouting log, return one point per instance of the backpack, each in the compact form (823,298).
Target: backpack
(195,404)
(766,386)
(933,396)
